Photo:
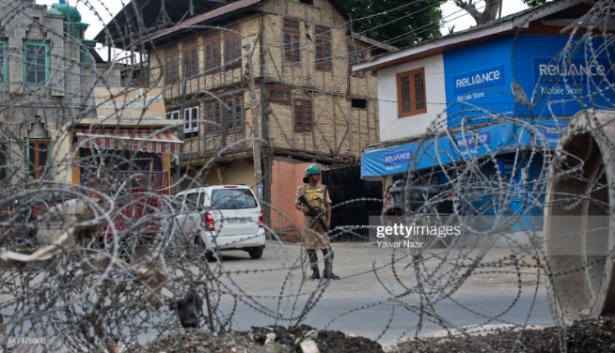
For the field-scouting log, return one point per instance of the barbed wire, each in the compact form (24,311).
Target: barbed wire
(94,257)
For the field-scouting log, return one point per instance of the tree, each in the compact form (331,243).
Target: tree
(400,23)
(491,10)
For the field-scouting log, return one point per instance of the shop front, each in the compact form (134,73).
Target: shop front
(491,170)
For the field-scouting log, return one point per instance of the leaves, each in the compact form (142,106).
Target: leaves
(400,23)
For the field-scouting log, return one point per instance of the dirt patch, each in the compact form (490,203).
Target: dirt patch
(581,337)
(287,340)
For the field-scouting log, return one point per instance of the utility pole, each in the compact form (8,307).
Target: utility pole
(256,148)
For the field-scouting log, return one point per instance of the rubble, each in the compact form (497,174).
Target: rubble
(269,339)
(580,337)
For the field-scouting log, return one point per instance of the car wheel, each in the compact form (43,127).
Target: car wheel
(200,250)
(256,253)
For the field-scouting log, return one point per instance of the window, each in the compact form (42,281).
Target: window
(292,50)
(174,115)
(191,121)
(303,115)
(191,60)
(323,47)
(171,65)
(213,118)
(232,49)
(233,114)
(212,52)
(307,2)
(4,61)
(411,93)
(279,94)
(4,162)
(359,103)
(38,155)
(36,62)
(233,199)
(356,55)
(227,116)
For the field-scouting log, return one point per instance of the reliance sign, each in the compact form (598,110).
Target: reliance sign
(397,157)
(479,79)
(576,69)
(471,140)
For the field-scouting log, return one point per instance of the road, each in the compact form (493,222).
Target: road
(369,301)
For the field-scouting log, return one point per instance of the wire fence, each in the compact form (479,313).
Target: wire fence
(94,256)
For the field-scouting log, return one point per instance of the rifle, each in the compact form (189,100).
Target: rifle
(314,214)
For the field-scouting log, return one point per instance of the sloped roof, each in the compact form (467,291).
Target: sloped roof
(138,20)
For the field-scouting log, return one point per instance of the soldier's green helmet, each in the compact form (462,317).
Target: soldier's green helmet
(311,170)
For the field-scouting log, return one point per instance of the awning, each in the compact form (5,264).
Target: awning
(139,140)
(488,140)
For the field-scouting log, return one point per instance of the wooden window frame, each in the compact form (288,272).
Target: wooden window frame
(291,48)
(213,125)
(190,60)
(305,106)
(36,167)
(171,65)
(232,40)
(280,88)
(411,76)
(27,65)
(322,48)
(212,41)
(233,111)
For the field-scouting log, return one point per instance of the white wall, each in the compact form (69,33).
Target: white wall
(394,128)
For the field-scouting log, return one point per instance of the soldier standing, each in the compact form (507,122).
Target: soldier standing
(314,201)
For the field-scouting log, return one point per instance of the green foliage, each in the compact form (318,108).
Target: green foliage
(413,22)
(534,3)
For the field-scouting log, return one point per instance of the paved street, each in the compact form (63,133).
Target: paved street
(360,303)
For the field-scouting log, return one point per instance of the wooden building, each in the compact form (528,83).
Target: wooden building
(305,103)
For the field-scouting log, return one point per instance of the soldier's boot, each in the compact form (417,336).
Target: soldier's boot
(313,257)
(328,255)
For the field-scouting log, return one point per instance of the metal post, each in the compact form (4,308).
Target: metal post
(256,147)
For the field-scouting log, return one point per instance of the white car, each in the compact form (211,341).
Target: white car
(222,217)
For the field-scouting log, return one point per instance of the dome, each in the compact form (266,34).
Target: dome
(70,13)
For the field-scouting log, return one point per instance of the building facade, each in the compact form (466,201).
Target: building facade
(276,72)
(483,109)
(44,64)
(64,111)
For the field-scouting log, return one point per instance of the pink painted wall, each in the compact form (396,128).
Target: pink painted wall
(286,178)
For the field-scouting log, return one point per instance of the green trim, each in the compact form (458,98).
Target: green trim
(47,61)
(26,164)
(4,46)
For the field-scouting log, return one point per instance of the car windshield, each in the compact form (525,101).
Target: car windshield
(233,199)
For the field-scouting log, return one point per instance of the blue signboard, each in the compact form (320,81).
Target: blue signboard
(527,76)
(486,141)
(477,82)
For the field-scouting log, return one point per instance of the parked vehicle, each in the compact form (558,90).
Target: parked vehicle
(437,197)
(222,217)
